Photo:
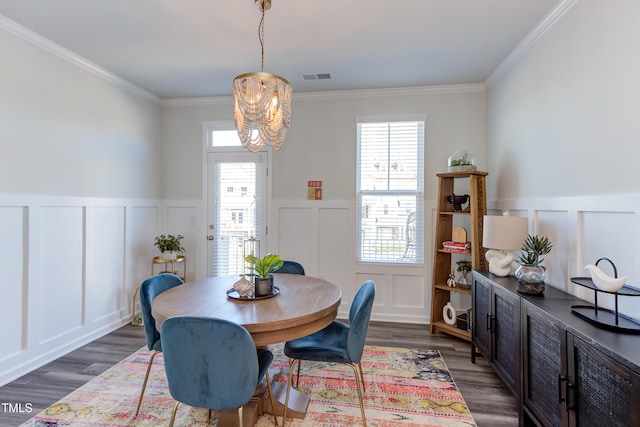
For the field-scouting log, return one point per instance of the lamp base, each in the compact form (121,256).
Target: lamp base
(501,263)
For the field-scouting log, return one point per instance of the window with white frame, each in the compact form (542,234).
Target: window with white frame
(390,191)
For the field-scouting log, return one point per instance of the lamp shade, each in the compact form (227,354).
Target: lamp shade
(504,232)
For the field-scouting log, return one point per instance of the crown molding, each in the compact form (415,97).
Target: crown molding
(342,94)
(45,44)
(196,101)
(531,39)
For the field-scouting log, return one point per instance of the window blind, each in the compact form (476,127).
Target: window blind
(390,191)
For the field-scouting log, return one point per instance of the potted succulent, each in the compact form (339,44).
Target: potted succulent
(169,246)
(531,271)
(464,267)
(262,269)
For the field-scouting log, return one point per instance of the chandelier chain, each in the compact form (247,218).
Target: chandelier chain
(261,36)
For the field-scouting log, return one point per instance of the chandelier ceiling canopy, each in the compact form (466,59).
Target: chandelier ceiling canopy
(262,102)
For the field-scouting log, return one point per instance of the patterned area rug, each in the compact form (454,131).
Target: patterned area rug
(404,387)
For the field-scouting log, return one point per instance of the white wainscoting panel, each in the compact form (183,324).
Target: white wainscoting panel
(321,236)
(335,255)
(408,292)
(70,266)
(105,263)
(295,236)
(143,224)
(12,286)
(61,283)
(582,230)
(181,218)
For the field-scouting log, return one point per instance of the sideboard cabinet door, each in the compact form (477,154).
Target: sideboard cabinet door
(496,328)
(605,392)
(482,311)
(544,368)
(506,341)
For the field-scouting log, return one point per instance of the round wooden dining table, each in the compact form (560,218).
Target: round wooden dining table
(303,305)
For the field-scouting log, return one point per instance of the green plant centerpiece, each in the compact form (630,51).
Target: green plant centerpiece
(169,245)
(464,267)
(262,269)
(531,274)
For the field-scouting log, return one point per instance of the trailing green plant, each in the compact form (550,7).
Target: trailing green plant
(533,248)
(270,263)
(169,243)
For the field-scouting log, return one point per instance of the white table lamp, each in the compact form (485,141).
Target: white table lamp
(503,234)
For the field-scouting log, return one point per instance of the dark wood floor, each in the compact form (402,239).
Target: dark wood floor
(487,398)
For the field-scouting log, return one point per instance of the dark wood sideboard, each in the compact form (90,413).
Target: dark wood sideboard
(564,370)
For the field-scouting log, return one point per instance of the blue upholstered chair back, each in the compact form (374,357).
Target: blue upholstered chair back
(151,288)
(291,267)
(210,363)
(359,315)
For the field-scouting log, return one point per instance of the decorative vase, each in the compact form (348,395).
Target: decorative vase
(531,279)
(263,287)
(169,255)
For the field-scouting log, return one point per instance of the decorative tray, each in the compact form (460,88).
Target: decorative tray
(233,294)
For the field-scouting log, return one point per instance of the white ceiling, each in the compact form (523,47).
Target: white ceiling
(194,48)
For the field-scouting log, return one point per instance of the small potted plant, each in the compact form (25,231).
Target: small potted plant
(169,246)
(262,269)
(531,271)
(464,267)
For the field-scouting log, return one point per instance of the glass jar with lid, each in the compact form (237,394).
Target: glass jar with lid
(461,161)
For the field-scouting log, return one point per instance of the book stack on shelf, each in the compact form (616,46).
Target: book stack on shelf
(458,247)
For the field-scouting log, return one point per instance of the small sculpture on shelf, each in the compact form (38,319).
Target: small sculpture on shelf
(457,201)
(602,280)
(243,287)
(451,281)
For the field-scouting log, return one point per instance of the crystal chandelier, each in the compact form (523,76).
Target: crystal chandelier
(262,102)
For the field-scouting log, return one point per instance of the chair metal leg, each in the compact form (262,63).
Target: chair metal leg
(298,376)
(364,389)
(173,414)
(240,415)
(355,372)
(286,400)
(273,406)
(144,383)
(133,306)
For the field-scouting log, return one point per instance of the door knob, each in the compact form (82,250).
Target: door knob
(210,237)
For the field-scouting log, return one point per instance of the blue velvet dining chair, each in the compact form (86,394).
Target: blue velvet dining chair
(291,267)
(212,363)
(337,343)
(149,289)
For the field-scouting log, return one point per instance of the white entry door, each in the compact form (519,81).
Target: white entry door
(236,208)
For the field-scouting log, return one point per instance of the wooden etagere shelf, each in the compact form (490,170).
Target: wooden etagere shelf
(443,263)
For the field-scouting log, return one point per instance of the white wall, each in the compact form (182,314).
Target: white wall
(69,132)
(563,137)
(321,145)
(79,199)
(563,118)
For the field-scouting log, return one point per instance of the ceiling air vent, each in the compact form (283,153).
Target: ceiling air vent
(318,76)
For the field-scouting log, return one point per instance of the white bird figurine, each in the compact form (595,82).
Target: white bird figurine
(603,281)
